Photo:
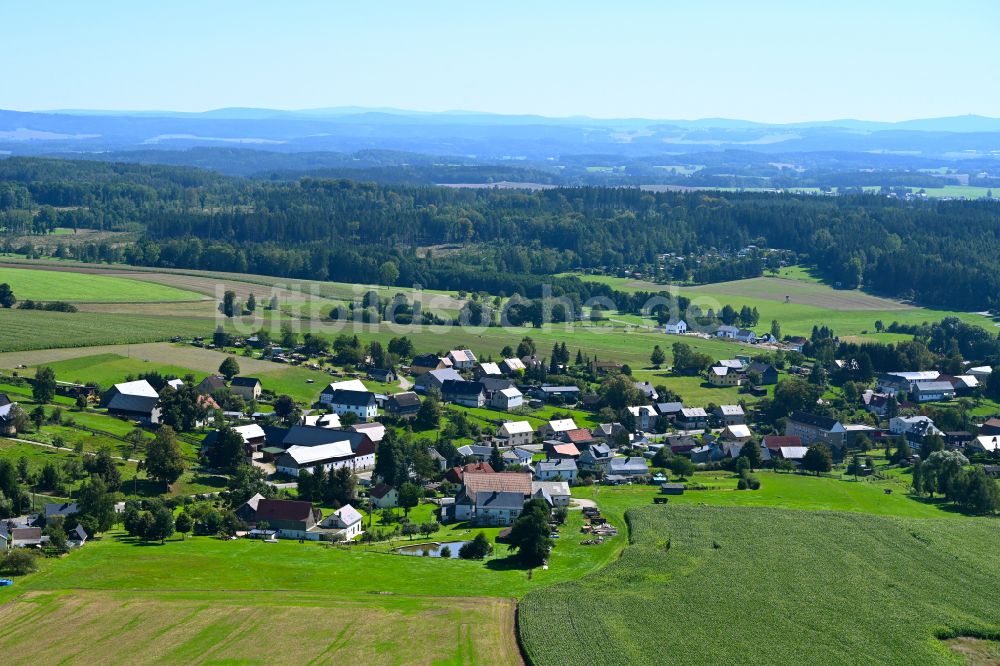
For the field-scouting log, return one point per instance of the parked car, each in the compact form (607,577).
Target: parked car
(6,582)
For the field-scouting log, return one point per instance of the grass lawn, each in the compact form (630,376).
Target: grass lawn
(771,586)
(83,287)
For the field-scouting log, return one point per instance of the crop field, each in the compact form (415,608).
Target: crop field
(725,585)
(81,287)
(118,627)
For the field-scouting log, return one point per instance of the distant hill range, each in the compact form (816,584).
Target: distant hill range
(408,146)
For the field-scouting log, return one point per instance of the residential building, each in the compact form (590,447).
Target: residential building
(487,369)
(290,519)
(511,366)
(247,511)
(813,428)
(211,384)
(747,336)
(669,410)
(248,388)
(461,392)
(507,399)
(647,391)
(403,405)
(331,456)
(424,363)
(435,379)
(644,416)
(498,508)
(560,469)
(768,373)
(556,427)
(384,496)
(730,414)
(135,401)
(736,432)
(609,431)
(628,467)
(720,375)
(578,437)
(516,433)
(595,457)
(773,443)
(383,375)
(360,403)
(373,429)
(675,327)
(348,520)
(457,474)
(557,493)
(604,367)
(308,436)
(692,418)
(985,443)
(462,359)
(726,331)
(476,483)
(914,428)
(478,451)
(60,509)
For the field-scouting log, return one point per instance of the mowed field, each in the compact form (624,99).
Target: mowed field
(46,285)
(731,585)
(249,627)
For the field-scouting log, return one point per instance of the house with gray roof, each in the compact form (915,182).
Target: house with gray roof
(560,469)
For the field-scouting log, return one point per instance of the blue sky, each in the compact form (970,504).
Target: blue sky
(765,61)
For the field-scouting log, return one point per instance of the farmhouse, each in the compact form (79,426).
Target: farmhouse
(930,391)
(309,436)
(403,405)
(290,519)
(456,474)
(310,458)
(726,331)
(498,508)
(211,384)
(135,401)
(595,457)
(248,388)
(321,420)
(347,520)
(516,433)
(767,373)
(985,443)
(675,327)
(487,370)
(669,410)
(511,366)
(474,484)
(480,452)
(913,427)
(360,403)
(383,375)
(812,428)
(609,431)
(461,392)
(60,509)
(628,467)
(27,537)
(720,375)
(737,432)
(248,510)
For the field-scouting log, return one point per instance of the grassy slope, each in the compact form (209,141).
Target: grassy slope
(777,587)
(80,287)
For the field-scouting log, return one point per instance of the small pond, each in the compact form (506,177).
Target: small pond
(431,549)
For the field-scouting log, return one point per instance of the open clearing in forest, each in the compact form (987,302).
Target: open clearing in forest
(772,586)
(125,627)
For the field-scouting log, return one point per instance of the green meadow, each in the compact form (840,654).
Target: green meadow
(86,287)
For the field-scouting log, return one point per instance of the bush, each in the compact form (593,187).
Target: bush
(476,549)
(742,484)
(20,561)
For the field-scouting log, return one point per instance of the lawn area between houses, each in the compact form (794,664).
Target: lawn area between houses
(764,585)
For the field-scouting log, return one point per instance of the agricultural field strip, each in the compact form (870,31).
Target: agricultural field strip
(44,285)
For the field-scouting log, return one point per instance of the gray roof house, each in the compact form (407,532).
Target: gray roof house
(628,466)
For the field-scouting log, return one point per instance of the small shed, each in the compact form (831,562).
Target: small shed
(672,488)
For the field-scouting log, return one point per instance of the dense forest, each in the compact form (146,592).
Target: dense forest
(943,253)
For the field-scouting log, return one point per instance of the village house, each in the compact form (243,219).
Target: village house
(773,443)
(480,452)
(435,379)
(675,327)
(511,366)
(669,410)
(893,383)
(7,425)
(648,391)
(746,336)
(913,428)
(462,359)
(135,401)
(383,375)
(384,496)
(308,436)
(555,427)
(248,388)
(720,375)
(516,433)
(493,384)
(424,363)
(321,420)
(812,428)
(768,373)
(557,393)
(456,474)
(609,431)
(211,384)
(347,520)
(403,405)
(290,519)
(726,331)
(985,443)
(330,456)
(475,483)
(507,399)
(360,403)
(373,429)
(248,510)
(578,437)
(487,369)
(629,468)
(595,457)
(461,392)
(692,418)
(736,432)
(730,414)
(556,493)
(495,508)
(560,469)
(604,367)
(644,416)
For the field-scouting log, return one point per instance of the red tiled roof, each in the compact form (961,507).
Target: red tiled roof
(578,435)
(500,482)
(566,450)
(777,441)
